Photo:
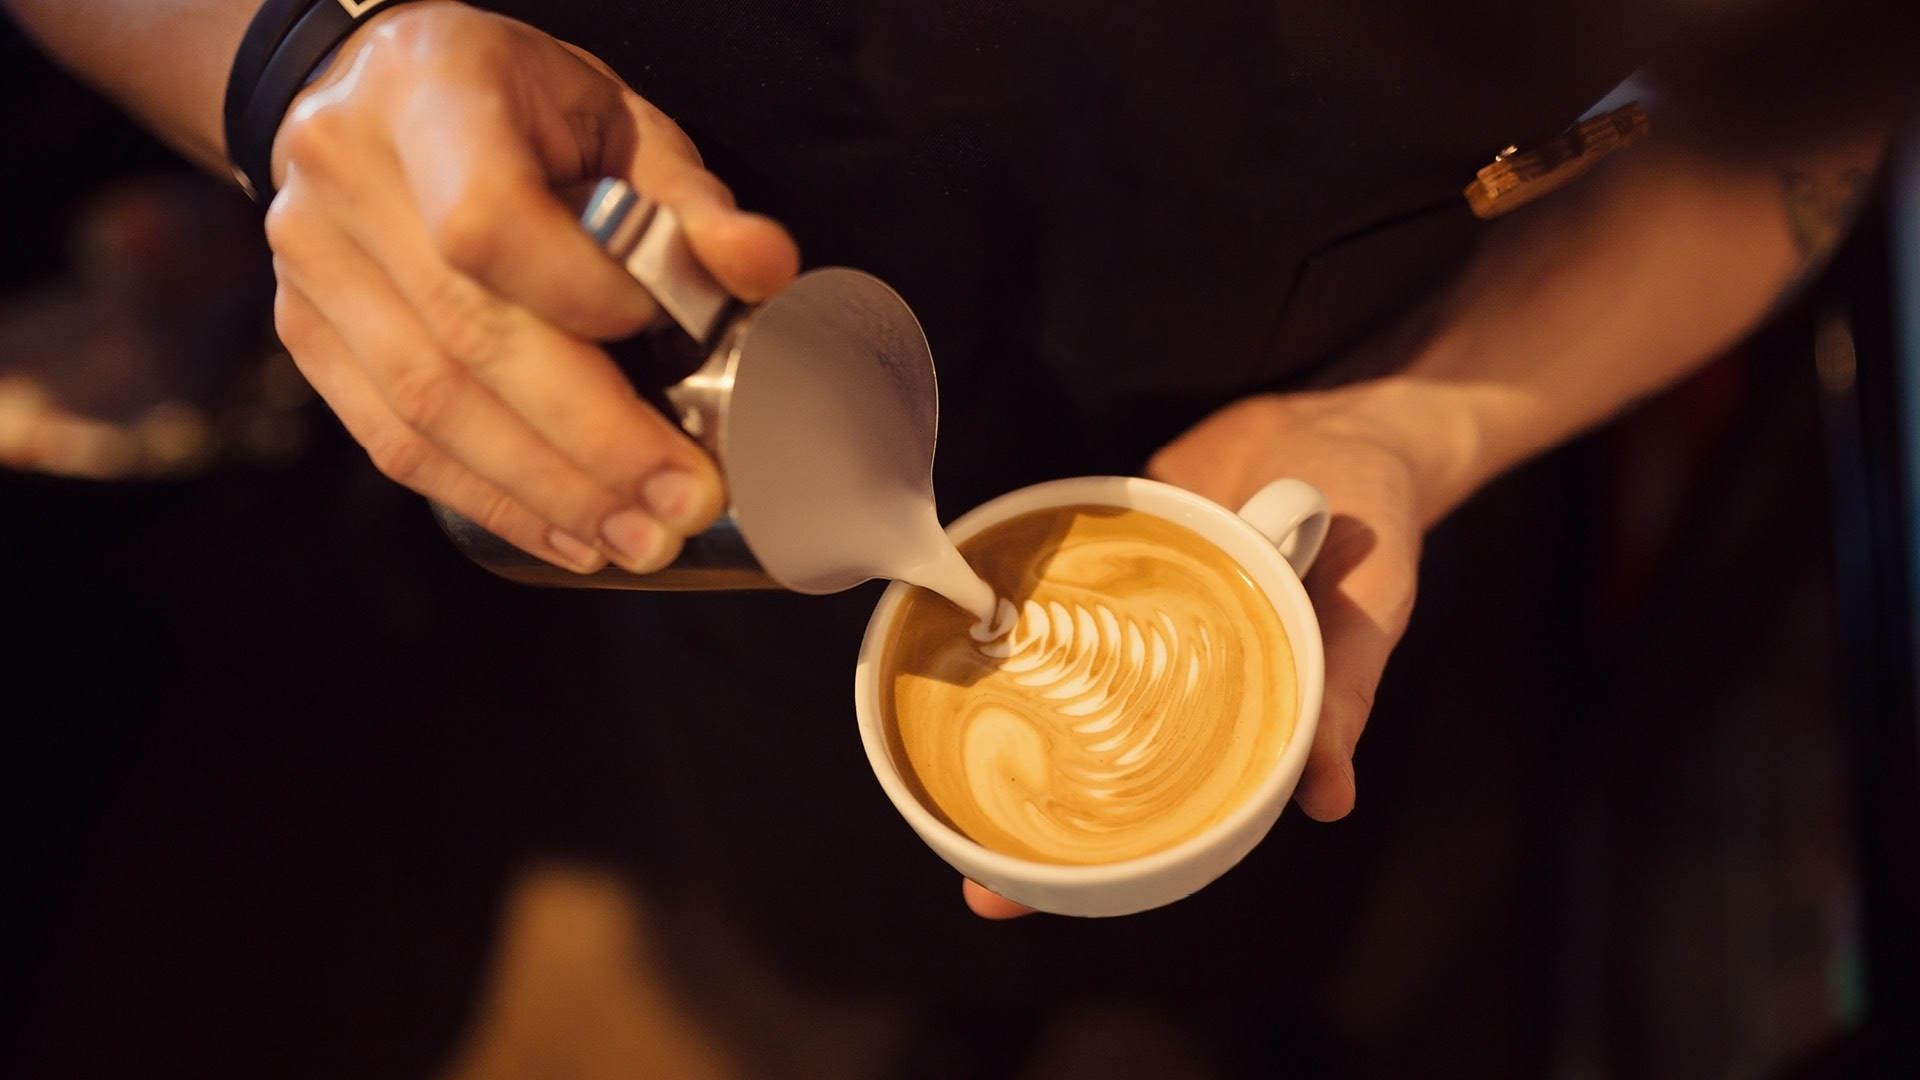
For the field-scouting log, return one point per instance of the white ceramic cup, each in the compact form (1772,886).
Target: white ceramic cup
(1274,537)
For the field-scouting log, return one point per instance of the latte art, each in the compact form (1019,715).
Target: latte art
(1134,691)
(1112,686)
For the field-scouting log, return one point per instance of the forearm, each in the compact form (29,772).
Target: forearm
(164,61)
(1602,294)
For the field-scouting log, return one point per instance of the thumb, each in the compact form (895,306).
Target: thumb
(749,254)
(990,905)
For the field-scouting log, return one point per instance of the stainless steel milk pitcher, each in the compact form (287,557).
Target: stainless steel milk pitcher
(820,406)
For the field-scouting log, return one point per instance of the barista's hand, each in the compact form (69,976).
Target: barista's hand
(1345,443)
(1381,453)
(439,294)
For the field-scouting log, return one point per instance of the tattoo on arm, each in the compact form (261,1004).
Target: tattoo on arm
(1820,209)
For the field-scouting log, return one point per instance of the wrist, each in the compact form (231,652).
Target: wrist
(1433,427)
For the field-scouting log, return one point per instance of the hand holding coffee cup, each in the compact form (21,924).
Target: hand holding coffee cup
(1136,717)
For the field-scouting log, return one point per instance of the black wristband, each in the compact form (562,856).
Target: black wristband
(264,33)
(295,37)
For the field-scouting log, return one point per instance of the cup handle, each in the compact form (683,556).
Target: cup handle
(1294,515)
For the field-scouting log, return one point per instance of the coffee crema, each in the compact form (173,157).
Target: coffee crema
(1144,689)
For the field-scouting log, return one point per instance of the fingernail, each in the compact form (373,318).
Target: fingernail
(639,543)
(679,499)
(584,557)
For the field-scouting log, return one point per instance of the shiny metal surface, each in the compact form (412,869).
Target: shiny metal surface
(820,407)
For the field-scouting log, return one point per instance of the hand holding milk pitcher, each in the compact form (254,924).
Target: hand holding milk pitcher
(1092,696)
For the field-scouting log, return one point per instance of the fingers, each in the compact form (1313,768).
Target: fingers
(989,905)
(483,159)
(488,211)
(405,456)
(1362,590)
(541,416)
(751,256)
(475,120)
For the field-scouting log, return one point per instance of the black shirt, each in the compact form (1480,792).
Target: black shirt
(1113,217)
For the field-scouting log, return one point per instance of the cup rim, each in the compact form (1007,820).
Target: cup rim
(1188,509)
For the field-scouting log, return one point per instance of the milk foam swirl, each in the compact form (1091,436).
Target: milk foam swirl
(1113,685)
(1137,691)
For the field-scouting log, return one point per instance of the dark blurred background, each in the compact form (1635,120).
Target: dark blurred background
(277,761)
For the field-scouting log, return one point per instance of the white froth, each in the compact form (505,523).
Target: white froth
(992,631)
(1099,723)
(1086,706)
